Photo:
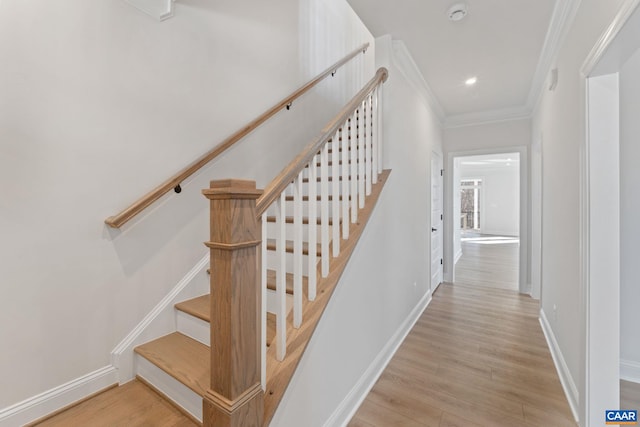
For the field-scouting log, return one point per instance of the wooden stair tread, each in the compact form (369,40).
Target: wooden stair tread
(271,246)
(185,359)
(279,374)
(330,179)
(202,304)
(271,328)
(318,198)
(305,220)
(330,163)
(197,307)
(330,150)
(271,281)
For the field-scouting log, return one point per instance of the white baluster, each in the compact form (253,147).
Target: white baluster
(313,227)
(324,208)
(374,137)
(379,128)
(367,144)
(263,290)
(281,279)
(297,251)
(354,168)
(335,192)
(361,157)
(345,180)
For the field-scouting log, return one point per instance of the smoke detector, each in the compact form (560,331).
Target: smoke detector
(457,12)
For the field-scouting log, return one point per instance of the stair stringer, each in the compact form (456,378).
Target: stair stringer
(279,374)
(161,320)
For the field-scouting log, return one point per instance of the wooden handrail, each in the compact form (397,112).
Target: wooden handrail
(118,220)
(289,173)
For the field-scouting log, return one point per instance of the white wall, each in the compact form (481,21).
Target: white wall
(629,217)
(100,103)
(388,274)
(506,134)
(536,216)
(560,120)
(603,377)
(457,243)
(500,203)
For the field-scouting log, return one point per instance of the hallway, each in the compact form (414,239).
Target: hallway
(476,357)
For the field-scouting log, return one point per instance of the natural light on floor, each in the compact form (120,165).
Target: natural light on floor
(491,240)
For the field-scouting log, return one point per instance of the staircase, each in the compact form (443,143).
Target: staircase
(321,204)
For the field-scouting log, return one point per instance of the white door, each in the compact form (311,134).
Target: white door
(436,220)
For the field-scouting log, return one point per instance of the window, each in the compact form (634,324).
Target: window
(470,204)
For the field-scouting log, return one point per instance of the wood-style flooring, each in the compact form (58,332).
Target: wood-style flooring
(476,357)
(629,395)
(490,261)
(131,405)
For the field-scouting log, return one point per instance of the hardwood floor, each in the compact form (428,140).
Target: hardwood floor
(490,261)
(629,395)
(476,357)
(131,405)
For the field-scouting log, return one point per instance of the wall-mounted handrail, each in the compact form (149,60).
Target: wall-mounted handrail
(118,220)
(289,173)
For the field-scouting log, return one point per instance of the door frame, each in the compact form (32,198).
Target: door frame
(524,281)
(442,231)
(599,299)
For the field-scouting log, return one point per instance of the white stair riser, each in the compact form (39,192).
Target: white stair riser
(272,261)
(193,327)
(305,192)
(173,389)
(305,208)
(273,229)
(272,302)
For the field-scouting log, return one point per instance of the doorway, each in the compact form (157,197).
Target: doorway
(479,215)
(487,233)
(437,220)
(609,227)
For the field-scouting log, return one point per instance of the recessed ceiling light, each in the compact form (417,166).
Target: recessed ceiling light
(457,12)
(471,81)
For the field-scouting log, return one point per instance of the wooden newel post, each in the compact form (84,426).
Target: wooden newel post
(235,397)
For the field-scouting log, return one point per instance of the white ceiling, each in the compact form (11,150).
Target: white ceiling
(499,41)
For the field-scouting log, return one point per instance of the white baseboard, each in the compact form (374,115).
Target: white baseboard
(350,404)
(629,371)
(568,384)
(57,398)
(161,320)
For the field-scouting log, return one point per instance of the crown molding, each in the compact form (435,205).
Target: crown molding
(607,38)
(159,9)
(485,117)
(563,15)
(405,63)
(403,60)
